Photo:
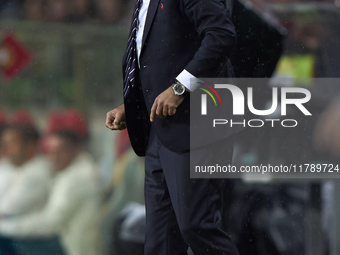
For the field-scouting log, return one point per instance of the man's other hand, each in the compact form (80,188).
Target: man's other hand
(165,104)
(115,119)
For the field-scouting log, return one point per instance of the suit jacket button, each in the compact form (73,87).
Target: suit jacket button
(145,66)
(146,90)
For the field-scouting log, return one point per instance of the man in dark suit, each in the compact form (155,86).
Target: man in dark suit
(171,43)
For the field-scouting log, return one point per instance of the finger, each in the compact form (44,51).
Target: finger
(172,111)
(123,125)
(108,125)
(109,119)
(120,118)
(117,119)
(119,126)
(159,110)
(165,111)
(153,110)
(109,122)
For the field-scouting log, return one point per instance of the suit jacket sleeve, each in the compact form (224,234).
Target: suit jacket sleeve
(211,22)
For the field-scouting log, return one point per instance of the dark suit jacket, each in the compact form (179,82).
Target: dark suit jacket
(196,35)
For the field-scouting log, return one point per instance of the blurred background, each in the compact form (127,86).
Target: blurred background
(70,186)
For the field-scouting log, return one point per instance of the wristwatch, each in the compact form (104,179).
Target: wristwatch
(179,88)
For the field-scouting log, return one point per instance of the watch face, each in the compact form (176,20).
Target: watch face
(179,88)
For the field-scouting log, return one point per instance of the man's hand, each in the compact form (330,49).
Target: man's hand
(165,104)
(115,119)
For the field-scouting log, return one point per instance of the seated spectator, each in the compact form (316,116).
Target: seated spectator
(24,175)
(74,199)
(31,180)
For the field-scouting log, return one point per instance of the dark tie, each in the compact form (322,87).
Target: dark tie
(131,52)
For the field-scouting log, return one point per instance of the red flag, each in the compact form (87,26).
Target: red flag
(13,56)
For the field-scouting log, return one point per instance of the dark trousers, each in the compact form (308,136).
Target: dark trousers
(180,211)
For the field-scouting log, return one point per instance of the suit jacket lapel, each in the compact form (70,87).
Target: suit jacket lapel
(149,19)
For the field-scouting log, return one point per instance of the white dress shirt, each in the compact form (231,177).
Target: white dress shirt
(186,78)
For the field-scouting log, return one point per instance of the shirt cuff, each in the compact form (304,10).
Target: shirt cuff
(188,80)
